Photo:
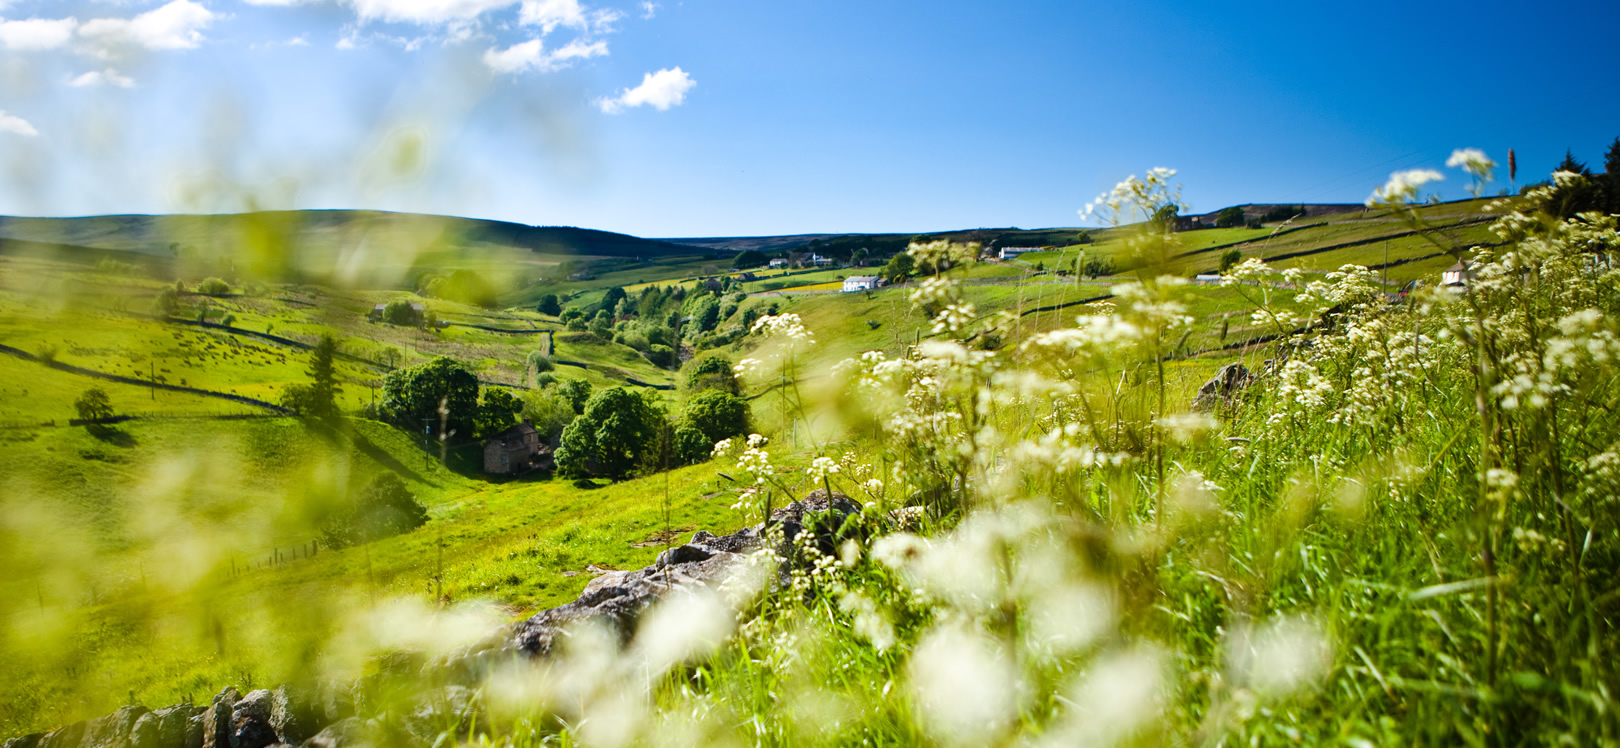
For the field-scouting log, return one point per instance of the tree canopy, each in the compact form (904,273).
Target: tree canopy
(412,396)
(550,305)
(93,405)
(617,432)
(711,372)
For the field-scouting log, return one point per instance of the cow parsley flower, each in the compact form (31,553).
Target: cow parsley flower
(1403,186)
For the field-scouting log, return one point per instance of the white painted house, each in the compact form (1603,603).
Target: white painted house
(780,262)
(861,283)
(1456,275)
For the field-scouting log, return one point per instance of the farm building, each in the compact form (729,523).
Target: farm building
(1455,275)
(514,450)
(1008,253)
(414,317)
(861,283)
(778,263)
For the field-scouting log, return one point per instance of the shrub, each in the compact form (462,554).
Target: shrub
(385,508)
(716,414)
(711,372)
(661,356)
(1230,258)
(213,287)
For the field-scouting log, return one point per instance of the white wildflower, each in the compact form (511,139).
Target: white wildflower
(1403,186)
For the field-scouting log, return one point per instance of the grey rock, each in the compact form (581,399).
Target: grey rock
(25,741)
(295,714)
(618,598)
(216,722)
(250,721)
(1223,389)
(169,727)
(113,730)
(71,736)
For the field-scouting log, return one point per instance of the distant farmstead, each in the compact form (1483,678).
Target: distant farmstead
(515,450)
(861,283)
(1007,253)
(414,316)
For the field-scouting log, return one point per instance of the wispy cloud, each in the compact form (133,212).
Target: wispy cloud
(648,10)
(108,77)
(661,90)
(16,125)
(532,55)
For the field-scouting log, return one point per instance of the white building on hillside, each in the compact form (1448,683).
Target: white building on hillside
(1008,253)
(861,283)
(1456,275)
(780,262)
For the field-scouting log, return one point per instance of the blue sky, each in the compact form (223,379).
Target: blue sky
(729,117)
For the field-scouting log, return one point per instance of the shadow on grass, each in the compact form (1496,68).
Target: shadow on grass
(112,436)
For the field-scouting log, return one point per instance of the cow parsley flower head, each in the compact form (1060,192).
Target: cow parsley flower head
(1473,161)
(784,325)
(820,468)
(1403,186)
(747,367)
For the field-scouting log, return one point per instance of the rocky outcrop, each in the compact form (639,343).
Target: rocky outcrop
(618,598)
(291,716)
(1223,389)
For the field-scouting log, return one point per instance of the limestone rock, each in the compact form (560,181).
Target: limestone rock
(1223,388)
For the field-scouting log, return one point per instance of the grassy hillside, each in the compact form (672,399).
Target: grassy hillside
(169,555)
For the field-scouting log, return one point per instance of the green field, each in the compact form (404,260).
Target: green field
(166,556)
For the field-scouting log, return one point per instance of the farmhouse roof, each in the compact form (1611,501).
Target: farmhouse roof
(513,437)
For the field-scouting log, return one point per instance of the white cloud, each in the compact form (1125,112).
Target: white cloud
(108,77)
(37,33)
(275,2)
(549,14)
(298,41)
(177,25)
(531,55)
(660,90)
(14,124)
(430,12)
(649,9)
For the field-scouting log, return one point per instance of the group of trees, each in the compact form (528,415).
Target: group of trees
(622,431)
(658,321)
(442,397)
(1592,192)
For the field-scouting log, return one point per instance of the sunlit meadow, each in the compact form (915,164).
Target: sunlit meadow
(1397,525)
(1273,481)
